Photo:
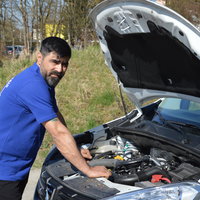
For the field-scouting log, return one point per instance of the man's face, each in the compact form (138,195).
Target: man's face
(52,67)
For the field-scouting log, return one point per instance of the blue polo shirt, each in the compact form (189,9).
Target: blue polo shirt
(25,102)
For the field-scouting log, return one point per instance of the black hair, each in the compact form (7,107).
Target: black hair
(55,44)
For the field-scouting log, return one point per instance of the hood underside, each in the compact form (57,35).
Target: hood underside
(153,51)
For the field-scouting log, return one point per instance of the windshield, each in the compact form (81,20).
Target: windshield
(180,110)
(9,48)
(18,48)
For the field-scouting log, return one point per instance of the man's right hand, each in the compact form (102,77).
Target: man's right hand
(98,171)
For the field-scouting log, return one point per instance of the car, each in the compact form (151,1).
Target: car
(9,50)
(14,50)
(153,151)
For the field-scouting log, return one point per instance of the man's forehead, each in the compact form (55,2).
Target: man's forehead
(54,55)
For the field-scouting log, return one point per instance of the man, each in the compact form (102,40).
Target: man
(28,108)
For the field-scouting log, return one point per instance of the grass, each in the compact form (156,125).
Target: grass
(87,96)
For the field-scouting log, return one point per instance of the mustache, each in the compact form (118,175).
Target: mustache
(59,74)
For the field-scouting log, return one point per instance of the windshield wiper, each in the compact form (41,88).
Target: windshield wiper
(174,125)
(184,124)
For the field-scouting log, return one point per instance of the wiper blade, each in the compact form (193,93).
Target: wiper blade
(184,124)
(174,125)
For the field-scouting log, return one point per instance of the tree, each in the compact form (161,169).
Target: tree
(78,27)
(26,21)
(3,11)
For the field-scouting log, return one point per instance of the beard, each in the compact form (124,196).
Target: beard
(53,81)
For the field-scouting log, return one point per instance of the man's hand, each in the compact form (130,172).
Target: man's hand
(86,153)
(98,171)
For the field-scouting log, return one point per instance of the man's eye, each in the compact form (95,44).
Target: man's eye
(65,65)
(56,62)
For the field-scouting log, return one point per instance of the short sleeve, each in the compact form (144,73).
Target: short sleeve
(39,99)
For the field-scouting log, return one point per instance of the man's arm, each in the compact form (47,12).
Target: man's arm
(84,152)
(66,144)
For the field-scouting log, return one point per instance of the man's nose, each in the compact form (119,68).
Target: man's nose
(59,67)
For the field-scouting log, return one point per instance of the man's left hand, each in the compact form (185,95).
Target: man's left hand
(86,153)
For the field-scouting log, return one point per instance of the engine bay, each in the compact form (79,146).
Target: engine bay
(131,166)
(135,160)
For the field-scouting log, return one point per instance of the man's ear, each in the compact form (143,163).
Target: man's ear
(39,58)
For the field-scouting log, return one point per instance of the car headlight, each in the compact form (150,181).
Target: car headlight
(179,191)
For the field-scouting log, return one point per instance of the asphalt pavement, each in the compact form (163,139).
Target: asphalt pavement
(30,187)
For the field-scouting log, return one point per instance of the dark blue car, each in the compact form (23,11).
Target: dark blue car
(153,152)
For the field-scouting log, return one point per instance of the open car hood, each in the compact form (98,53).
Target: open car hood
(152,51)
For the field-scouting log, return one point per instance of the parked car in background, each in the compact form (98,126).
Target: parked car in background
(14,50)
(154,151)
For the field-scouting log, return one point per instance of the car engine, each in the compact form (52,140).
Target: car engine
(130,166)
(136,163)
